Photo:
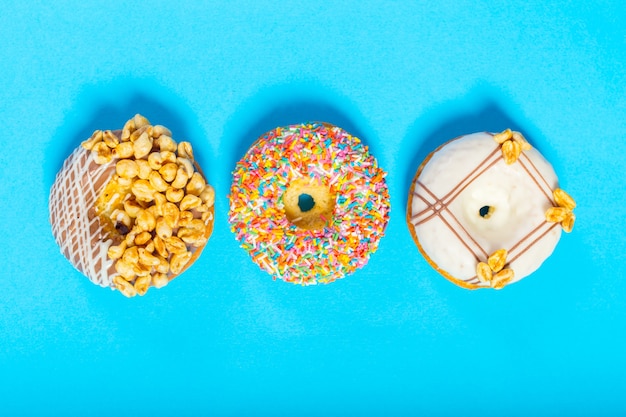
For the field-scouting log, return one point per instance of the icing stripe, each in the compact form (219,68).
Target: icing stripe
(489,161)
(545,188)
(76,230)
(439,209)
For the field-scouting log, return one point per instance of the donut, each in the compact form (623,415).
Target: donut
(485,209)
(130,208)
(309,203)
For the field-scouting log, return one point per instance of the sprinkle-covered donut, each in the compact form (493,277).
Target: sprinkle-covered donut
(485,209)
(130,208)
(309,203)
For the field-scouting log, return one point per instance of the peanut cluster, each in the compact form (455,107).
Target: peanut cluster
(512,145)
(563,212)
(493,272)
(162,206)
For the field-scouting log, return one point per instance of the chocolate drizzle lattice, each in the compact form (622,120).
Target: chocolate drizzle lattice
(436,208)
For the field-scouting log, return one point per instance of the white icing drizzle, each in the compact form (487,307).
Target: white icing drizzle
(73,194)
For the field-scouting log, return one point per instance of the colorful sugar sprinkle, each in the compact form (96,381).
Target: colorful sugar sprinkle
(332,157)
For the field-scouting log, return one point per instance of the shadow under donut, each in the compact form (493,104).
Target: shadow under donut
(489,115)
(109,107)
(282,106)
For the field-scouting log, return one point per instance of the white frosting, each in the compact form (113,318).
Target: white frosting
(75,227)
(467,174)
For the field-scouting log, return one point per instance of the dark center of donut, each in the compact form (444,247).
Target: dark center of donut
(122,228)
(305,202)
(485,212)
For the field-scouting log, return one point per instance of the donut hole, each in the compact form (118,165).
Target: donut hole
(486,211)
(308,205)
(305,202)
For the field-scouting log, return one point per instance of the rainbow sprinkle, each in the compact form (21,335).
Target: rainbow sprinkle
(334,158)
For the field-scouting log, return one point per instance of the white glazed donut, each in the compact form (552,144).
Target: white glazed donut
(485,209)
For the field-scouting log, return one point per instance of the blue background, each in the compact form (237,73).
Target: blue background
(395,338)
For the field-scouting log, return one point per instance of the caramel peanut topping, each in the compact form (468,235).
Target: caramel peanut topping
(563,212)
(156,203)
(493,272)
(512,144)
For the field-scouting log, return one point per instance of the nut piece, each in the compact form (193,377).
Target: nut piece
(95,138)
(147,259)
(140,131)
(143,191)
(208,196)
(207,216)
(129,127)
(181,178)
(192,224)
(144,168)
(196,184)
(116,252)
(171,214)
(163,267)
(185,150)
(174,194)
(123,150)
(131,255)
(143,238)
(191,237)
(125,270)
(142,284)
(157,182)
(142,146)
(497,260)
(101,153)
(155,160)
(159,246)
(185,215)
(568,223)
(160,280)
(140,121)
(519,138)
(127,168)
(169,171)
(132,208)
(502,137)
(163,230)
(179,261)
(175,245)
(166,143)
(187,164)
(110,139)
(159,200)
(556,214)
(145,221)
(189,202)
(483,272)
(124,287)
(158,131)
(502,278)
(511,150)
(168,157)
(563,199)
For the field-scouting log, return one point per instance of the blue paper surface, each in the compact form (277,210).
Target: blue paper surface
(395,338)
